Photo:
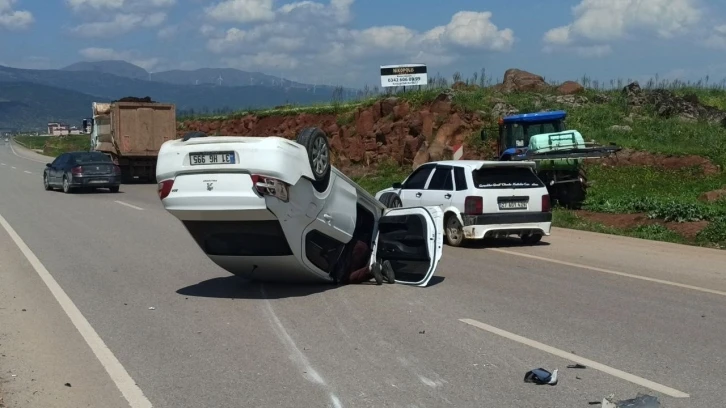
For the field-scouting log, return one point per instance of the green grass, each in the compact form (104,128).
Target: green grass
(56,145)
(53,146)
(32,142)
(569,219)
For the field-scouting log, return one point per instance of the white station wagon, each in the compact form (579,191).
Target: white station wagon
(480,199)
(271,209)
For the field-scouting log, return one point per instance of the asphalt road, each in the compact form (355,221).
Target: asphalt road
(639,311)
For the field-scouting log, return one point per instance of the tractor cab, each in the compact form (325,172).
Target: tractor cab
(515,131)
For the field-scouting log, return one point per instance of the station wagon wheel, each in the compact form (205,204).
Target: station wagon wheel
(316,143)
(391,200)
(454,231)
(531,239)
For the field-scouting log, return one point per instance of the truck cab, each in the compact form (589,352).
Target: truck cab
(515,131)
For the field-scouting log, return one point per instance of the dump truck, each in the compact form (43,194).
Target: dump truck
(559,152)
(131,133)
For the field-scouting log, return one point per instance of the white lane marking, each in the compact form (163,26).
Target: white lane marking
(26,171)
(12,167)
(577,359)
(603,270)
(23,157)
(309,373)
(115,370)
(2,164)
(128,205)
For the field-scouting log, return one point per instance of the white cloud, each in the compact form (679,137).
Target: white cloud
(106,54)
(168,32)
(126,5)
(241,11)
(286,40)
(598,22)
(11,19)
(121,24)
(717,38)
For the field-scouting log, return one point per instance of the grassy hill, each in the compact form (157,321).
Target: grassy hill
(98,81)
(30,106)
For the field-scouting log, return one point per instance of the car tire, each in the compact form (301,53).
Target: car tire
(316,143)
(66,185)
(191,135)
(46,184)
(531,239)
(114,189)
(391,200)
(454,231)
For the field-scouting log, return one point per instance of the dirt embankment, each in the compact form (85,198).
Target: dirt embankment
(392,129)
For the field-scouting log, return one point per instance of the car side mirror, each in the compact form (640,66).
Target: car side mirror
(396,185)
(47,164)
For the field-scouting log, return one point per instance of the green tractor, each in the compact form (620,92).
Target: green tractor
(559,152)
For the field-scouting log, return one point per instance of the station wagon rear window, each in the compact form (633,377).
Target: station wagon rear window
(505,177)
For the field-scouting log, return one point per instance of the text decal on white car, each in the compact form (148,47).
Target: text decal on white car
(196,159)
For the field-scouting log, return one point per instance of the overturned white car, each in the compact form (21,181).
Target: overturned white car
(270,209)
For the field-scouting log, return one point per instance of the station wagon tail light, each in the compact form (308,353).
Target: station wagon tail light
(76,171)
(546,206)
(473,205)
(165,188)
(268,186)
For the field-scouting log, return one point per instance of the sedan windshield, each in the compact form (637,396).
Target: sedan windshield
(90,157)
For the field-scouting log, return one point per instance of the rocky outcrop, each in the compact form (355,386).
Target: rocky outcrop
(668,105)
(516,80)
(388,130)
(570,88)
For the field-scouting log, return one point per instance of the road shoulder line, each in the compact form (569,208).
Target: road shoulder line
(577,359)
(611,272)
(131,392)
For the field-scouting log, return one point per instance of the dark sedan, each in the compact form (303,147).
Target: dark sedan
(82,170)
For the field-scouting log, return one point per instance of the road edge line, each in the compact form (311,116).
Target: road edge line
(609,271)
(121,378)
(663,389)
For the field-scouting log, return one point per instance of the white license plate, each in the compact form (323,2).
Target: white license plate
(197,159)
(512,205)
(98,181)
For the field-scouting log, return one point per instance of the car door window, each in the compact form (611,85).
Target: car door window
(417,180)
(460,179)
(58,160)
(441,179)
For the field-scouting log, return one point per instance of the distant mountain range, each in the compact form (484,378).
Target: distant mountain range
(30,98)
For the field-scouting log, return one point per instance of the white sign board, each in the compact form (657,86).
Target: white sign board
(403,75)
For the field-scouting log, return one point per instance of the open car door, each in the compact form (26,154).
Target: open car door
(412,240)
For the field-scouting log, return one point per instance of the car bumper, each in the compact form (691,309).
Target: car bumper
(95,181)
(496,225)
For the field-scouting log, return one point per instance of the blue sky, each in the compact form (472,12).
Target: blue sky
(345,41)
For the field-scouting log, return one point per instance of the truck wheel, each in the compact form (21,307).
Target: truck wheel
(454,231)
(316,143)
(391,200)
(190,135)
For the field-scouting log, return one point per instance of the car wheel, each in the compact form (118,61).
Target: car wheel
(316,143)
(46,185)
(531,239)
(66,185)
(454,231)
(114,189)
(391,200)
